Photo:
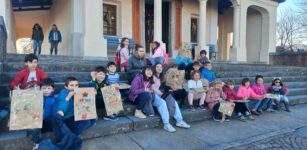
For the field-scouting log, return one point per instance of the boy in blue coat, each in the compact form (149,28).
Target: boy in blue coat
(207,72)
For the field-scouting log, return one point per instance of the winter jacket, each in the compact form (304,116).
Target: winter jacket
(208,74)
(247,92)
(22,77)
(38,34)
(259,89)
(230,93)
(135,64)
(137,87)
(274,90)
(213,96)
(66,106)
(51,36)
(50,106)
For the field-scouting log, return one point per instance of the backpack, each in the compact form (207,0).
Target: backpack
(117,58)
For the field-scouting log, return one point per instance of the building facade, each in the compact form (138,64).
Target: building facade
(237,30)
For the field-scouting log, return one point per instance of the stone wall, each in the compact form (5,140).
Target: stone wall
(289,58)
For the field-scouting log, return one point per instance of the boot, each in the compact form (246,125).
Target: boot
(287,106)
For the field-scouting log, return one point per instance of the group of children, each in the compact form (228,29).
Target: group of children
(147,91)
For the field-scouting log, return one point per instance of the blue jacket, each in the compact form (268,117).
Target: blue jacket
(208,74)
(50,106)
(51,36)
(66,106)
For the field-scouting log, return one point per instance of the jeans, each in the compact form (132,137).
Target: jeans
(77,127)
(141,100)
(256,104)
(54,45)
(160,104)
(241,108)
(37,44)
(154,60)
(266,104)
(284,99)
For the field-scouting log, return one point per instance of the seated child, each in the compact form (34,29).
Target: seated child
(29,77)
(279,89)
(214,95)
(196,91)
(49,111)
(66,107)
(195,67)
(203,57)
(245,92)
(113,76)
(240,107)
(99,81)
(207,72)
(259,89)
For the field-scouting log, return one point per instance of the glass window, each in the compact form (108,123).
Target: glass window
(109,19)
(194,29)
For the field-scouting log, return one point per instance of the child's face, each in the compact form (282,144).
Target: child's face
(126,42)
(208,66)
(100,76)
(232,86)
(47,90)
(159,68)
(32,65)
(259,81)
(148,73)
(196,76)
(277,82)
(247,84)
(196,67)
(72,85)
(112,69)
(218,86)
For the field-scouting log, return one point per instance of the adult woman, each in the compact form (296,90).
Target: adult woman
(38,38)
(54,38)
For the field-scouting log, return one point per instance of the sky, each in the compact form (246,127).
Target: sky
(286,4)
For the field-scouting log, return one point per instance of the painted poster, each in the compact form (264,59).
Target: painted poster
(112,100)
(226,108)
(124,86)
(85,104)
(26,109)
(187,53)
(175,78)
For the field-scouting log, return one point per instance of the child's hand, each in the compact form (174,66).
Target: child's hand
(61,113)
(93,75)
(70,95)
(148,90)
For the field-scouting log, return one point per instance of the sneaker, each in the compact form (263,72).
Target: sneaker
(242,118)
(35,147)
(202,107)
(254,112)
(250,117)
(183,124)
(192,108)
(139,114)
(111,118)
(169,128)
(216,119)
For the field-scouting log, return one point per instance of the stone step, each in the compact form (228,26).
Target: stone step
(15,140)
(297,91)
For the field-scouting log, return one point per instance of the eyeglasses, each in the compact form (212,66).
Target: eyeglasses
(277,82)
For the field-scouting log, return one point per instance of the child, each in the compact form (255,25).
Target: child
(49,111)
(203,57)
(196,91)
(157,54)
(123,51)
(29,77)
(171,103)
(214,95)
(113,77)
(240,107)
(259,89)
(195,67)
(245,92)
(279,89)
(207,72)
(66,107)
(99,81)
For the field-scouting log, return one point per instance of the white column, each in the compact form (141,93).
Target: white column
(94,43)
(77,24)
(202,24)
(158,20)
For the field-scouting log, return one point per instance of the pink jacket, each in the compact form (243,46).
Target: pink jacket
(247,92)
(259,89)
(213,96)
(124,54)
(158,52)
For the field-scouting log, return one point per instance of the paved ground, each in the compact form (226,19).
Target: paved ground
(279,130)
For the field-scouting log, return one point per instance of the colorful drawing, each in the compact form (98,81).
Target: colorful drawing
(26,109)
(226,108)
(112,100)
(85,104)
(175,78)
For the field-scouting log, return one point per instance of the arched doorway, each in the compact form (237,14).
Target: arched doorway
(257,34)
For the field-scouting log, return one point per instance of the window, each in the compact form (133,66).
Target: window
(194,29)
(109,19)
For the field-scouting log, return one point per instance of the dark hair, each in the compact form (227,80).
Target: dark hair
(30,57)
(47,82)
(203,52)
(157,46)
(244,80)
(257,77)
(155,71)
(56,27)
(69,79)
(36,24)
(101,69)
(111,63)
(122,45)
(230,82)
(194,72)
(150,80)
(196,63)
(137,47)
(273,83)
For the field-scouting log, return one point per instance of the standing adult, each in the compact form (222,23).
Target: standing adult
(54,38)
(38,38)
(136,62)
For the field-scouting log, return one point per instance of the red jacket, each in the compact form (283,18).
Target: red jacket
(22,77)
(230,93)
